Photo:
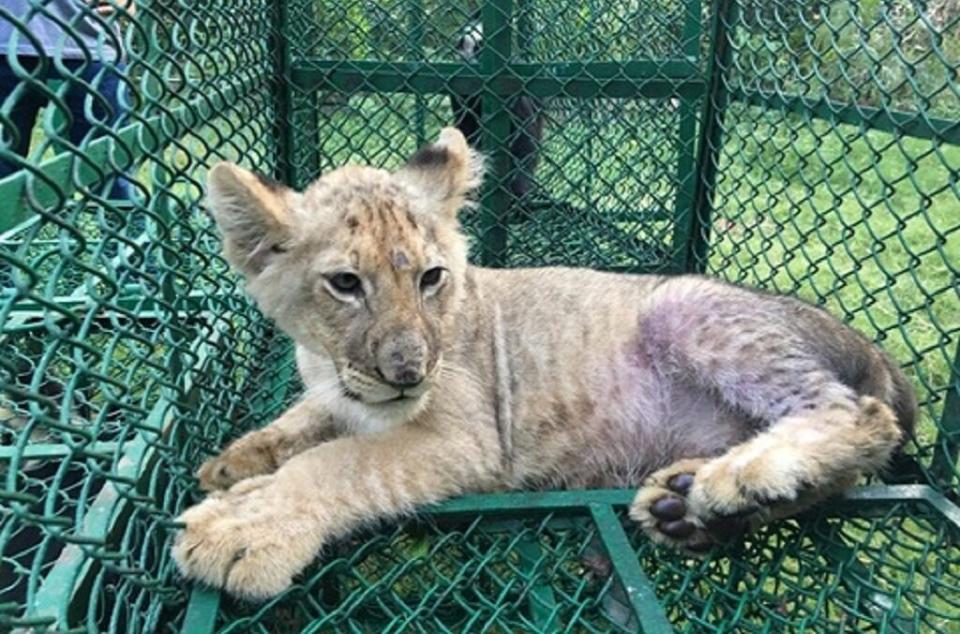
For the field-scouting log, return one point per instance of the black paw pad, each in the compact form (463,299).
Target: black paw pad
(681,483)
(668,508)
(677,529)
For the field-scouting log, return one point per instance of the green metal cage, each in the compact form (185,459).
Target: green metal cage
(810,148)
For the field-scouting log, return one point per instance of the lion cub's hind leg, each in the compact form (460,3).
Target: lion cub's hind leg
(693,504)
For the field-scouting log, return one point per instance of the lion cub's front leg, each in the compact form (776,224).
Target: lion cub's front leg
(254,538)
(263,451)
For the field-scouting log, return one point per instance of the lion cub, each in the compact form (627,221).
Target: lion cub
(427,378)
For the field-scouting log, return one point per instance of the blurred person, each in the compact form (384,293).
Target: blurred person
(77,41)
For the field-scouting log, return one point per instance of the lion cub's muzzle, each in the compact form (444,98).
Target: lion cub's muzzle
(362,386)
(402,358)
(398,370)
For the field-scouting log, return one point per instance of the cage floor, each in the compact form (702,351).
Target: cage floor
(880,560)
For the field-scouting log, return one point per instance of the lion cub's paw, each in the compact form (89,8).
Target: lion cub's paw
(660,507)
(248,456)
(666,508)
(249,541)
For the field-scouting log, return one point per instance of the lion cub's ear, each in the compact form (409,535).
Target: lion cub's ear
(252,213)
(444,172)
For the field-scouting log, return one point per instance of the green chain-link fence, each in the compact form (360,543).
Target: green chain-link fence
(807,147)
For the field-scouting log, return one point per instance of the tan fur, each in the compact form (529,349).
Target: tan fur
(493,380)
(263,451)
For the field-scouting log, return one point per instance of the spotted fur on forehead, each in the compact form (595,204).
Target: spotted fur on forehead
(372,221)
(384,229)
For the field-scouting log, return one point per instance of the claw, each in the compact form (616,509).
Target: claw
(699,543)
(237,556)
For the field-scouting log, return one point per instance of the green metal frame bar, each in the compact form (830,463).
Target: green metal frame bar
(599,504)
(192,303)
(202,608)
(686,146)
(711,137)
(651,78)
(416,18)
(297,111)
(946,452)
(639,588)
(495,122)
(913,124)
(99,450)
(283,130)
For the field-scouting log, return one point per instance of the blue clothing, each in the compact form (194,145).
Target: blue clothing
(85,110)
(89,35)
(64,40)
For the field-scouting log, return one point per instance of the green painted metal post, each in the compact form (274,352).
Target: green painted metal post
(946,450)
(415,24)
(302,131)
(304,148)
(497,18)
(711,136)
(283,127)
(636,584)
(685,208)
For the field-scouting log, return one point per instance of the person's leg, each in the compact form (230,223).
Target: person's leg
(93,99)
(19,106)
(92,111)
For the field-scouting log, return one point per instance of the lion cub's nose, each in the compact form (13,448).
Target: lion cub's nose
(401,359)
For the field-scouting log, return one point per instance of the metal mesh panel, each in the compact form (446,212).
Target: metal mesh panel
(125,344)
(892,572)
(614,138)
(893,569)
(810,148)
(479,575)
(833,150)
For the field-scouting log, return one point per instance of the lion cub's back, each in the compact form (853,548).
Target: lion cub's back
(598,363)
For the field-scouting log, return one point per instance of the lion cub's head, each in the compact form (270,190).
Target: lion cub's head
(366,267)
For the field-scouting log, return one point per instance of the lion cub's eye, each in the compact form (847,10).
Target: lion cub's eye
(345,284)
(431,278)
